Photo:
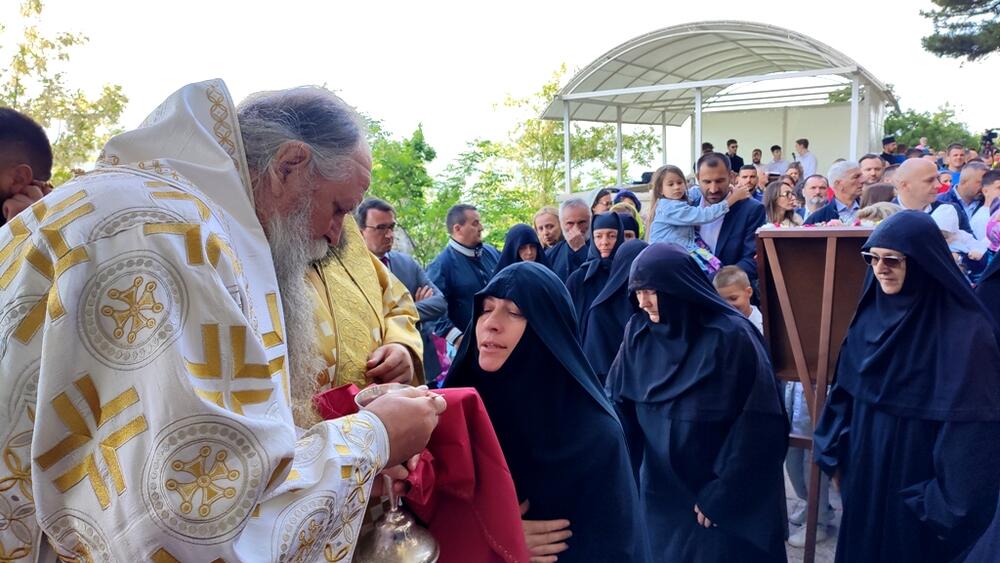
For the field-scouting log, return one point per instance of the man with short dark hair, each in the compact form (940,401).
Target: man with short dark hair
(777,165)
(735,161)
(25,163)
(845,177)
(747,178)
(462,269)
(872,167)
(889,151)
(914,152)
(732,238)
(571,252)
(967,194)
(377,220)
(955,160)
(755,156)
(807,158)
(707,147)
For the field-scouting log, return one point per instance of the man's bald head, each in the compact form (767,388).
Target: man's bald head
(916,183)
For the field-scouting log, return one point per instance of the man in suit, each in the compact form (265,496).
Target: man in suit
(846,181)
(377,220)
(732,238)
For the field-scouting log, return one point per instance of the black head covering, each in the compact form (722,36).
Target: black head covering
(551,417)
(704,358)
(585,283)
(988,290)
(929,352)
(518,236)
(630,224)
(594,261)
(604,322)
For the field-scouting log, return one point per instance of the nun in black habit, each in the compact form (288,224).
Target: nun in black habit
(521,245)
(559,434)
(910,428)
(585,283)
(604,322)
(704,418)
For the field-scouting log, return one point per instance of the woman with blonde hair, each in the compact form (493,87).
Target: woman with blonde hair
(780,204)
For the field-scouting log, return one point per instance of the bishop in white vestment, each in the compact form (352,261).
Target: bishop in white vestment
(145,404)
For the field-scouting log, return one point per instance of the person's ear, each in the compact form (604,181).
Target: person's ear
(20,176)
(289,166)
(749,291)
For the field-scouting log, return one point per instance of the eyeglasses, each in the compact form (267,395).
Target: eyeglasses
(891,261)
(382,228)
(788,195)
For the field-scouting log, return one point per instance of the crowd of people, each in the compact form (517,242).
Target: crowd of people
(170,320)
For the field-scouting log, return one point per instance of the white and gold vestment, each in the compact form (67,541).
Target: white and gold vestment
(144,411)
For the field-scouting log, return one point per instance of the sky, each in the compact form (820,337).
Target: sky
(448,65)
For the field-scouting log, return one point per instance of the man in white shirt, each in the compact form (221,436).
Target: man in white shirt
(807,158)
(777,165)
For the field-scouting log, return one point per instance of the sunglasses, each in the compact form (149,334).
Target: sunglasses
(890,261)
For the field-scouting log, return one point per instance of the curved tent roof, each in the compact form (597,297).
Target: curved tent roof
(652,79)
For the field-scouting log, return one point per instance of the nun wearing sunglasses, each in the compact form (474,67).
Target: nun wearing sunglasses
(910,429)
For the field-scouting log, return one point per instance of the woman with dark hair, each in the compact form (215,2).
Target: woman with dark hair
(910,428)
(780,204)
(604,321)
(560,435)
(521,245)
(601,202)
(606,236)
(703,416)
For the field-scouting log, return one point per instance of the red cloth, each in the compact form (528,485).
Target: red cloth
(461,487)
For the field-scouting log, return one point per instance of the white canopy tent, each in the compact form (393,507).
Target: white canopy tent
(675,73)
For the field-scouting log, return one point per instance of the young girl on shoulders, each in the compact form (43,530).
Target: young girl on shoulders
(674,218)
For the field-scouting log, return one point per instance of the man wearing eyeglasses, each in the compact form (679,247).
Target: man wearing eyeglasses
(845,179)
(377,220)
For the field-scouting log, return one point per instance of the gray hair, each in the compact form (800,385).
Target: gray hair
(312,115)
(839,169)
(570,203)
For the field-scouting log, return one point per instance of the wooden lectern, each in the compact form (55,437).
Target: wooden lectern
(810,281)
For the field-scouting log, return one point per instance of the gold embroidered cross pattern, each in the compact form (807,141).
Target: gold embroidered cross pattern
(135,305)
(81,435)
(205,480)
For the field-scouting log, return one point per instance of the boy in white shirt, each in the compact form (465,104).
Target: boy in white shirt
(733,285)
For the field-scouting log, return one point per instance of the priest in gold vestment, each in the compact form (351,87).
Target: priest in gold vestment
(151,347)
(366,318)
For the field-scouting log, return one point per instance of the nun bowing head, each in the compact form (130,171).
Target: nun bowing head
(671,272)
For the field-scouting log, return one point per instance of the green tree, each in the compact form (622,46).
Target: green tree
(941,128)
(31,83)
(964,28)
(533,153)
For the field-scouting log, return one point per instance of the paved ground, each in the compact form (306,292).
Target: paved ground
(824,550)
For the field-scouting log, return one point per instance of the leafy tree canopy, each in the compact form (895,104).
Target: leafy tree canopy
(964,28)
(32,83)
(940,127)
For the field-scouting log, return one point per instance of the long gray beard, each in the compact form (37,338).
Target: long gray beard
(818,202)
(292,250)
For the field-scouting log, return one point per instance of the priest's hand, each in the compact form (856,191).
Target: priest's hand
(391,363)
(702,519)
(545,538)
(398,474)
(409,417)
